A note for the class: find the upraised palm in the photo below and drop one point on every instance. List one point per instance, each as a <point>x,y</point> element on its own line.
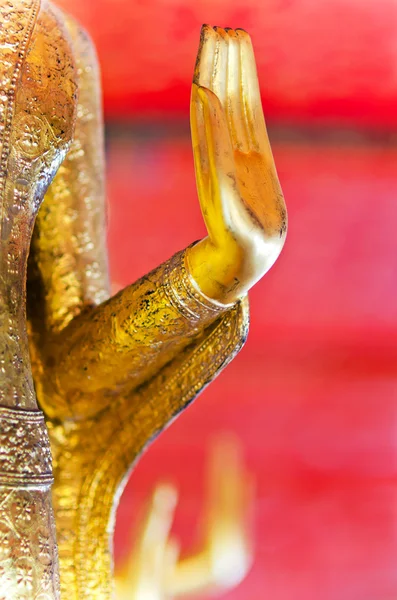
<point>240,195</point>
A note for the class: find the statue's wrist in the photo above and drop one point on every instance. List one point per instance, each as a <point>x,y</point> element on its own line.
<point>185,295</point>
<point>214,271</point>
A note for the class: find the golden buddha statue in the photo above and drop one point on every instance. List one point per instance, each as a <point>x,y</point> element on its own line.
<point>108,373</point>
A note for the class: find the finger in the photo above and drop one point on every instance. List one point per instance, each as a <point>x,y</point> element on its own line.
<point>205,57</point>
<point>227,532</point>
<point>160,517</point>
<point>223,192</point>
<point>199,141</point>
<point>219,72</point>
<point>251,96</point>
<point>146,561</point>
<point>172,553</point>
<point>228,478</point>
<point>234,104</point>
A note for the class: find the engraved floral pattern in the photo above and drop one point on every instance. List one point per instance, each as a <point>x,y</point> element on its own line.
<point>23,572</point>
<point>30,151</point>
<point>25,455</point>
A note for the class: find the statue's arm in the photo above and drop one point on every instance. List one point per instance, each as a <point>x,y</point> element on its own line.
<point>94,349</point>
<point>85,345</point>
<point>127,339</point>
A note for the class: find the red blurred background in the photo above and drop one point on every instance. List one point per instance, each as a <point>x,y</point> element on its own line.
<point>313,394</point>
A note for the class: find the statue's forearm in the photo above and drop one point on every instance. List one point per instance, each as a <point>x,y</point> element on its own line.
<point>127,339</point>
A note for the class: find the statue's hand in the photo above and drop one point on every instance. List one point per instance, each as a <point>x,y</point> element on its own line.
<point>238,187</point>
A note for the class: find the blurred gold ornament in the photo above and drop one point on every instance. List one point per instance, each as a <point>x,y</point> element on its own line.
<point>154,570</point>
<point>109,373</point>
